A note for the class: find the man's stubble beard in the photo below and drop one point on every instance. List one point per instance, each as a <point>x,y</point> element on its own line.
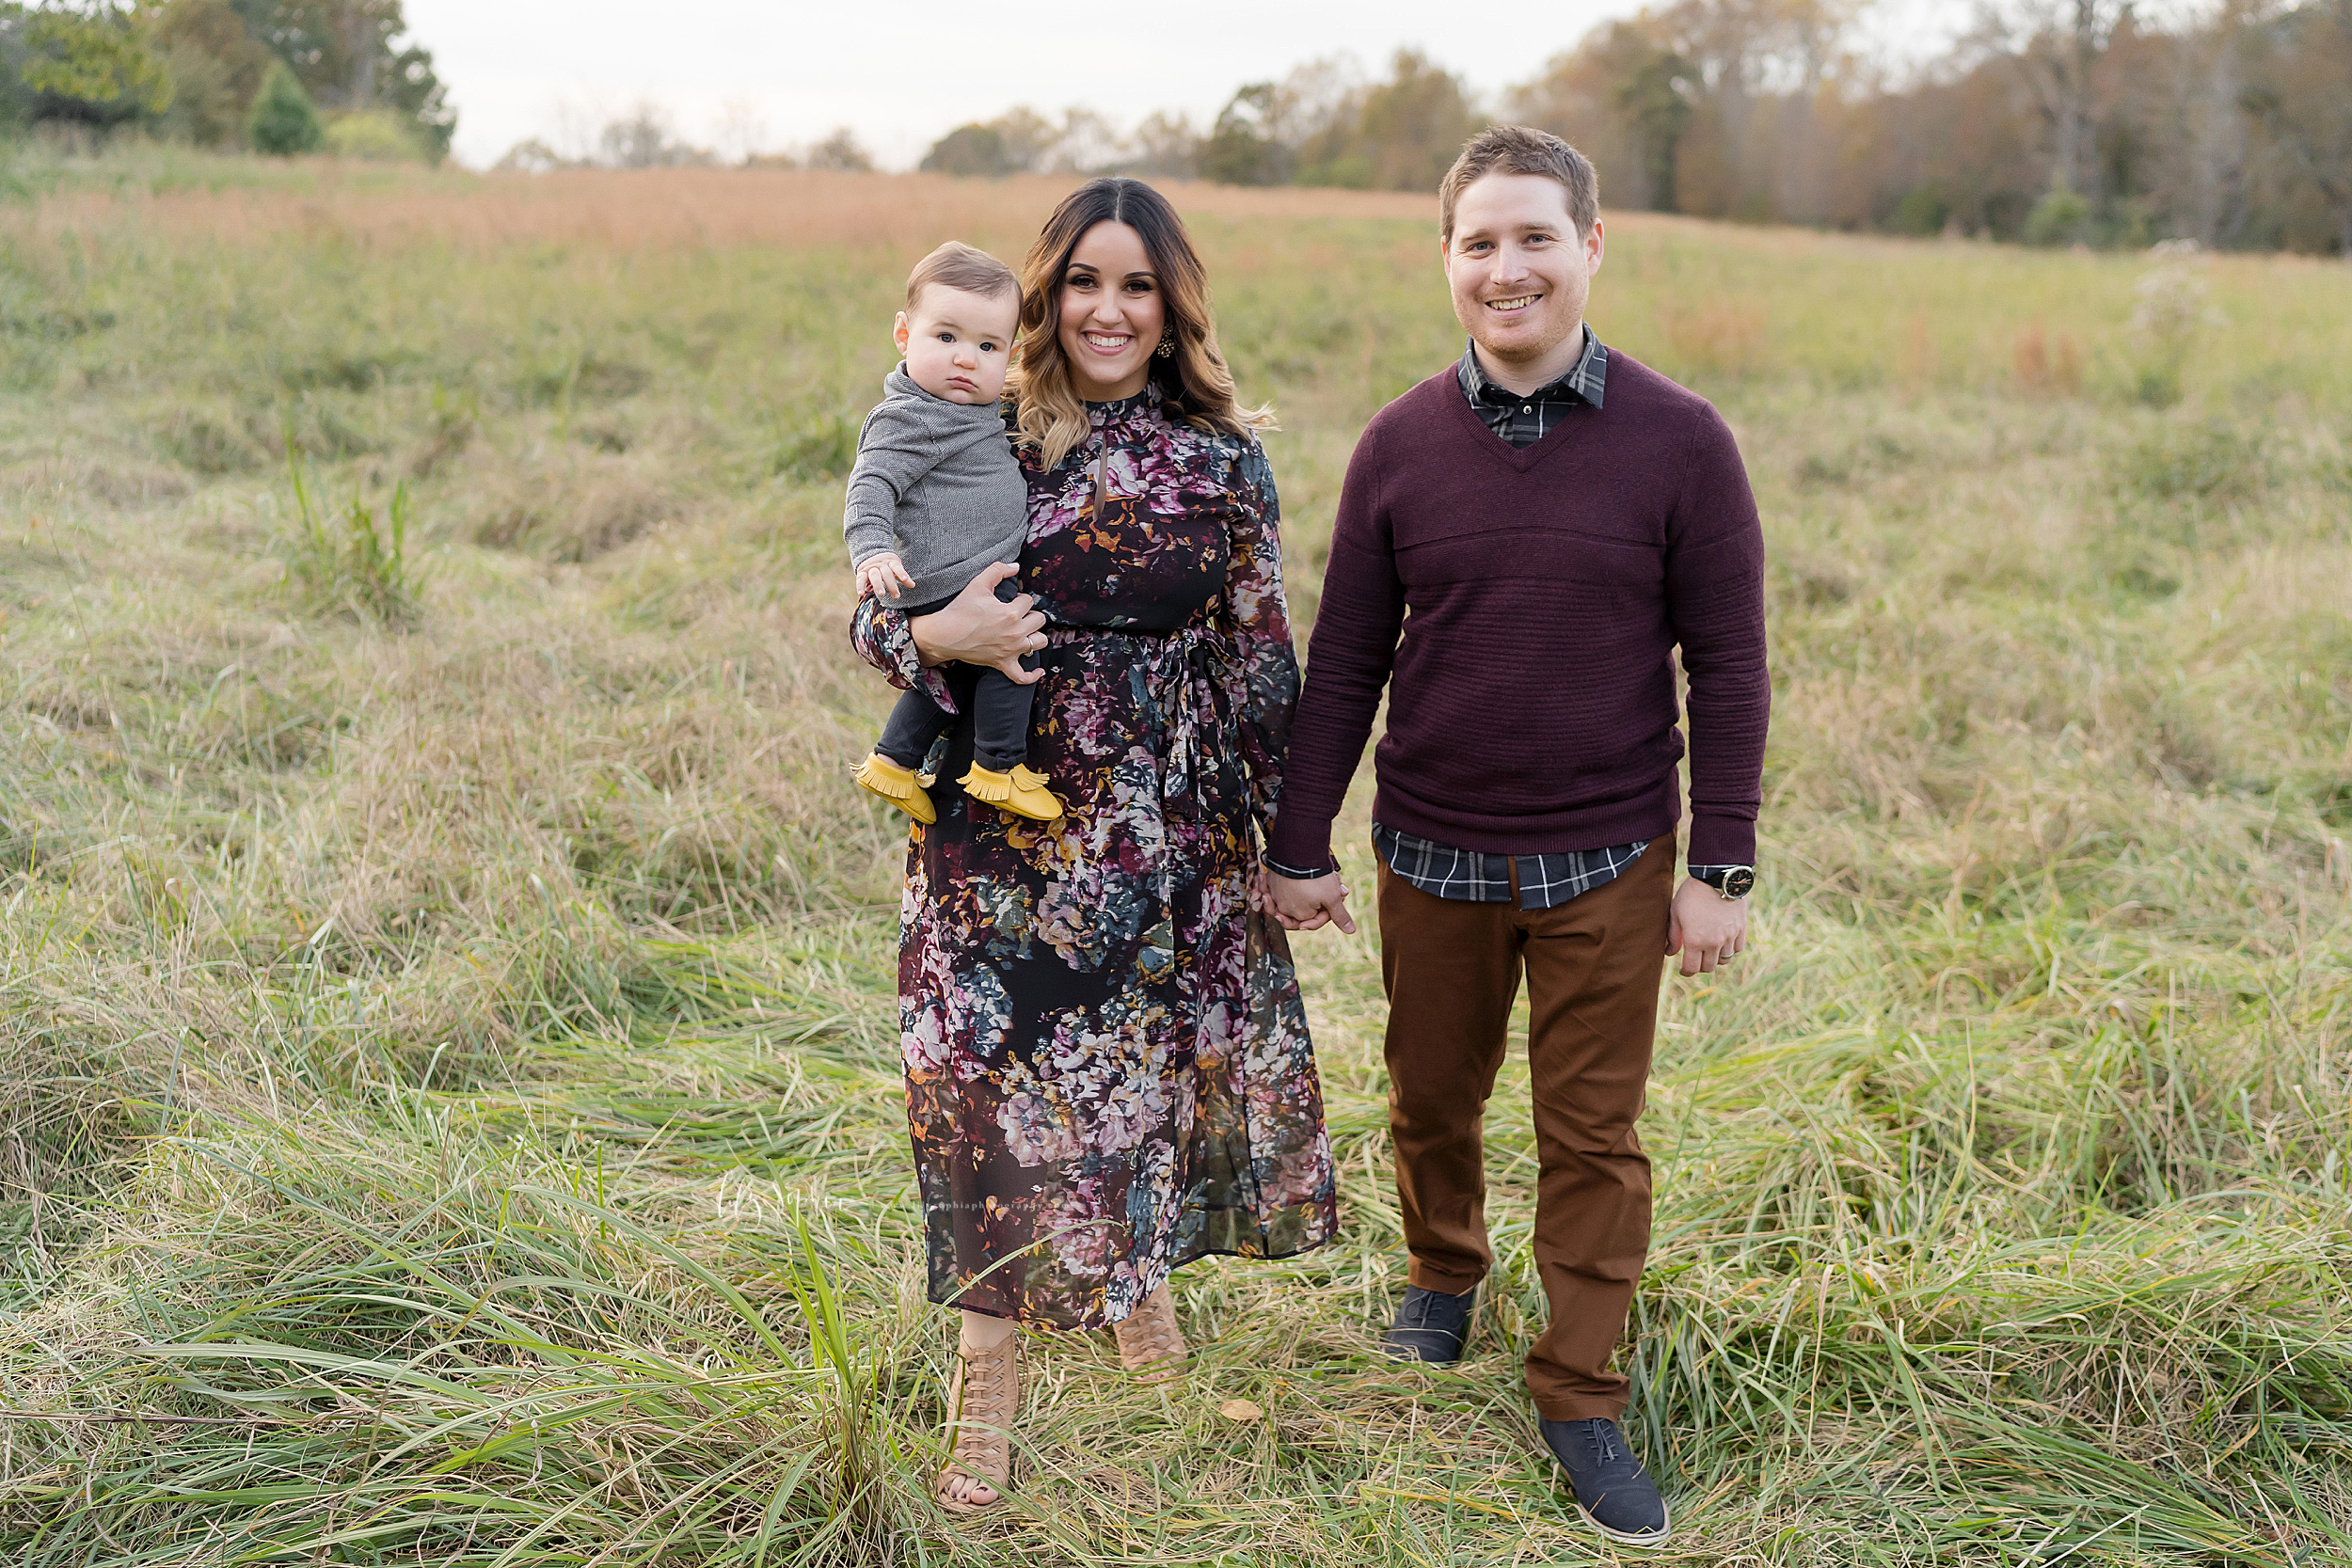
<point>1500,357</point>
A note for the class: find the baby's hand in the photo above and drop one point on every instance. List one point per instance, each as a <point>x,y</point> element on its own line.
<point>875,574</point>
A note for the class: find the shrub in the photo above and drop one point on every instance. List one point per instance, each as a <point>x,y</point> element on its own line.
<point>2060,218</point>
<point>969,149</point>
<point>283,122</point>
<point>375,136</point>
<point>1923,211</point>
<point>2167,320</point>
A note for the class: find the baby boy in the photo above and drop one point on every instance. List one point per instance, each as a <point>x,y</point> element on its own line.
<point>934,499</point>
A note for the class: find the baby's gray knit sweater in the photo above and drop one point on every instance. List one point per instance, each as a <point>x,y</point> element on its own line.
<point>935,481</point>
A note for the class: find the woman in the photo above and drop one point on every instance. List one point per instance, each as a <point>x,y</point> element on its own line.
<point>1107,1066</point>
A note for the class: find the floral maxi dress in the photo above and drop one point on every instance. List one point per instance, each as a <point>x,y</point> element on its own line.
<point>1107,1066</point>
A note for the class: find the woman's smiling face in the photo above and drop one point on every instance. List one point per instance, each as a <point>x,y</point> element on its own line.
<point>1111,313</point>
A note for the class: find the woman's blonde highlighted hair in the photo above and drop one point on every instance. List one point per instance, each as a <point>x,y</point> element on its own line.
<point>1195,384</point>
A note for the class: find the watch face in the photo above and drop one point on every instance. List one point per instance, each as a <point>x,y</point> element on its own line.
<point>1738,882</point>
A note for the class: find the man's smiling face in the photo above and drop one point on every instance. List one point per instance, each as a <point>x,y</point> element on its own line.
<point>1519,272</point>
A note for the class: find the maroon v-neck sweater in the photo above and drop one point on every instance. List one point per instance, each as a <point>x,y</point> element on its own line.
<point>1522,607</point>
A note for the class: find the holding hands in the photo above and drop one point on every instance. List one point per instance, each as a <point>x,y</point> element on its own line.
<point>1305,905</point>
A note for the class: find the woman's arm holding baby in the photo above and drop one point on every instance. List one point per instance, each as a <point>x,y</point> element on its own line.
<point>977,628</point>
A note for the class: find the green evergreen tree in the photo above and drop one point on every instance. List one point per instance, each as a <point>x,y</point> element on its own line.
<point>283,122</point>
<point>352,56</point>
<point>1652,89</point>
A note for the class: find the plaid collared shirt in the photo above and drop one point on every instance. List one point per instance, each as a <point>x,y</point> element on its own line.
<point>1525,420</point>
<point>1475,877</point>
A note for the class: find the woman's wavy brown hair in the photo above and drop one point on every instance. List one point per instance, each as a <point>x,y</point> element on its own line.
<point>1194,382</point>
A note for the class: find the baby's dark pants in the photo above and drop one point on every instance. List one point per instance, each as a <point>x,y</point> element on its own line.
<point>998,704</point>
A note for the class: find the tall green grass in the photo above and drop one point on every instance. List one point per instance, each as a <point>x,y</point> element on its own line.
<point>352,558</point>
<point>448,1103</point>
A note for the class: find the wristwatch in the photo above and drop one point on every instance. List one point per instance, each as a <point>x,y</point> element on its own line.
<point>1732,881</point>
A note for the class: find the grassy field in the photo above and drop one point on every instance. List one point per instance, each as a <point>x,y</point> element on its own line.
<point>449,1102</point>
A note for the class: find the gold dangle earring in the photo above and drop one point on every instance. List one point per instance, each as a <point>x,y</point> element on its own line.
<point>1168,343</point>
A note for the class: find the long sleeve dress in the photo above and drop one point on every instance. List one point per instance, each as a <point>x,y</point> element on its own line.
<point>1107,1066</point>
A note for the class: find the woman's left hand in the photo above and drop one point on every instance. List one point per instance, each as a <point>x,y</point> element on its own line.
<point>976,627</point>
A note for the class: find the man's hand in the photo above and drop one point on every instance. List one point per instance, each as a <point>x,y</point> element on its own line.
<point>1705,927</point>
<point>1306,906</point>
<point>875,574</point>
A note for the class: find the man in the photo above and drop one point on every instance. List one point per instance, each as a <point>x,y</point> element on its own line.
<point>1523,541</point>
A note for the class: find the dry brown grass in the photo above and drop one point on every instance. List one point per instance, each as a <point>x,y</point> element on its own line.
<point>630,210</point>
<point>2047,364</point>
<point>1721,337</point>
<point>395,1016</point>
<point>572,506</point>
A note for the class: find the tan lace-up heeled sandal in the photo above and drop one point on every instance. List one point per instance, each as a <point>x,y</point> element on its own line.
<point>1148,1340</point>
<point>981,1408</point>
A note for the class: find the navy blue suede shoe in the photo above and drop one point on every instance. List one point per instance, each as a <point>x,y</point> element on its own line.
<point>1431,1325</point>
<point>1612,1490</point>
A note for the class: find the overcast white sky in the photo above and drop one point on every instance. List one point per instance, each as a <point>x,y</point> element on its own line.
<point>902,72</point>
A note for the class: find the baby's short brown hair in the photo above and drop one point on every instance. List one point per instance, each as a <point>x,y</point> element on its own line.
<point>956,265</point>
<point>1522,150</point>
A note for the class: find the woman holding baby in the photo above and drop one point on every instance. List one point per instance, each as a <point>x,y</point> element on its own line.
<point>1108,1072</point>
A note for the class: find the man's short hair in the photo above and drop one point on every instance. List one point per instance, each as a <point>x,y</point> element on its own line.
<point>956,265</point>
<point>1522,150</point>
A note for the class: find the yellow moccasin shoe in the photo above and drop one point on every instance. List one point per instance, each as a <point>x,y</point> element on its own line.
<point>879,775</point>
<point>1022,791</point>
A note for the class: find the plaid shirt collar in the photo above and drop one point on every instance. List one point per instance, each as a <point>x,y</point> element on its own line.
<point>1585,382</point>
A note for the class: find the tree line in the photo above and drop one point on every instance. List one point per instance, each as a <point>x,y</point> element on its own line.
<point>2050,121</point>
<point>645,135</point>
<point>277,76</point>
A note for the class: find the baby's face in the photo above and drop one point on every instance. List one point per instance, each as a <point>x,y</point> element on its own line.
<point>957,344</point>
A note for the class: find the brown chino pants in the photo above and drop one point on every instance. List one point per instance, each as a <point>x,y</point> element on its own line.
<point>1453,973</point>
